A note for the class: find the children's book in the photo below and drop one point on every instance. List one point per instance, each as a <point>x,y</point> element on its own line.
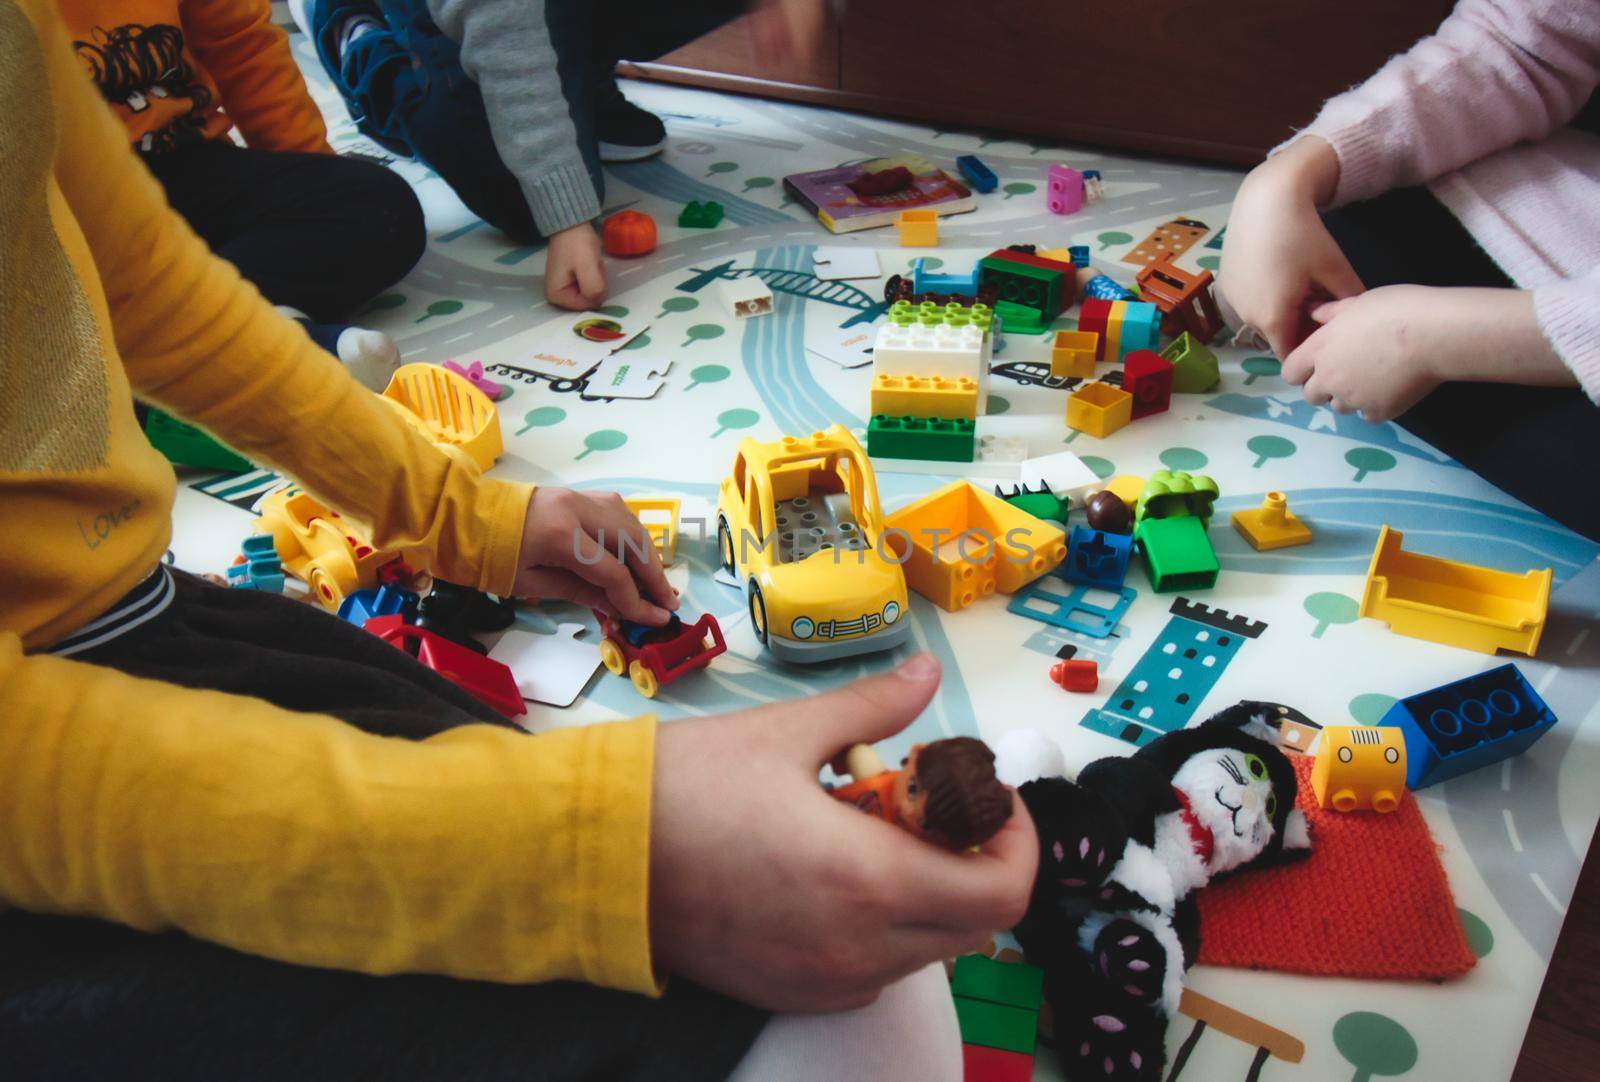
<point>827,193</point>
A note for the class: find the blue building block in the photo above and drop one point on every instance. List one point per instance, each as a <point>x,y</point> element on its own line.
<point>1473,722</point>
<point>1168,683</point>
<point>261,569</point>
<point>1097,558</point>
<point>924,282</point>
<point>1141,327</point>
<point>1079,254</point>
<point>359,606</point>
<point>1106,288</point>
<point>980,176</point>
<point>1072,610</point>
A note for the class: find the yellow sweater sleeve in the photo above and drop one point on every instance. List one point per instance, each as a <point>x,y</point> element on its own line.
<point>482,852</point>
<point>198,340</point>
<point>262,90</point>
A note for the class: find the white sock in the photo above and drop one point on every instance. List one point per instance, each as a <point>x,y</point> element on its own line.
<point>371,356</point>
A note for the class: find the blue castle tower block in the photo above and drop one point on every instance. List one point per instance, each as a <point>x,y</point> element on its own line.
<point>1177,672</point>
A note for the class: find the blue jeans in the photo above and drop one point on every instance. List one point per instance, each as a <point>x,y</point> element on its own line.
<point>405,88</point>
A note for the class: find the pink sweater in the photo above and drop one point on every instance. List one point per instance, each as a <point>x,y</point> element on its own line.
<point>1476,112</point>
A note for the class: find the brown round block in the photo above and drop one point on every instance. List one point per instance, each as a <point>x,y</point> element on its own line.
<point>1106,511</point>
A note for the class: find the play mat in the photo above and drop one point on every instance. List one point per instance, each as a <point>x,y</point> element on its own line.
<point>1511,837</point>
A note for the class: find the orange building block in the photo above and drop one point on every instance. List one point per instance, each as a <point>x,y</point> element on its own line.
<point>1360,767</point>
<point>918,228</point>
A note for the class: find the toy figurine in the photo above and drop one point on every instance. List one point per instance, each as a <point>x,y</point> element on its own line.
<point>1106,512</point>
<point>1112,920</point>
<point>456,612</point>
<point>945,791</point>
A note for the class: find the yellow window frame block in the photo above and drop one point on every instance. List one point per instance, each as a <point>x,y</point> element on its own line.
<point>1099,409</point>
<point>659,517</point>
<point>1475,608</point>
<point>946,397</point>
<point>447,409</point>
<point>960,543</point>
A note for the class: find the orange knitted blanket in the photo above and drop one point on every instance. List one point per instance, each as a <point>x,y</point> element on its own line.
<point>1370,901</point>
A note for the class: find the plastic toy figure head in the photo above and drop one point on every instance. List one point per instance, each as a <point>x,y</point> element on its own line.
<point>1240,786</point>
<point>947,792</point>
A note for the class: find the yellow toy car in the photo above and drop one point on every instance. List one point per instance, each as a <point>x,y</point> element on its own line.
<point>799,524</point>
<point>321,549</point>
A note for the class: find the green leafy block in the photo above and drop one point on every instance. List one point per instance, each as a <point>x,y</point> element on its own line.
<point>697,215</point>
<point>1173,493</point>
<point>1014,984</point>
<point>996,1025</point>
<point>186,445</point>
<point>1040,505</point>
<point>1194,367</point>
<point>929,314</point>
<point>936,439</point>
<point>1177,554</point>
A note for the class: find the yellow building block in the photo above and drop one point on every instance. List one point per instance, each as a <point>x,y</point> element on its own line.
<point>1072,353</point>
<point>1360,768</point>
<point>1060,255</point>
<point>946,397</point>
<point>1475,608</point>
<point>1272,525</point>
<point>447,409</point>
<point>1099,409</point>
<point>961,543</point>
<point>659,517</point>
<point>918,228</point>
<point>1128,487</point>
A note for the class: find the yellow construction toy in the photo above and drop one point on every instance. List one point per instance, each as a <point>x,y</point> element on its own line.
<point>659,517</point>
<point>799,527</point>
<point>1099,409</point>
<point>1360,768</point>
<point>316,545</point>
<point>448,409</point>
<point>918,228</point>
<point>1271,526</point>
<point>1072,353</point>
<point>1475,608</point>
<point>946,397</point>
<point>961,543</point>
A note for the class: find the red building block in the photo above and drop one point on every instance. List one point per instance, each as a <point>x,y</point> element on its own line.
<point>1148,377</point>
<point>484,678</point>
<point>1184,298</point>
<point>980,1064</point>
<point>1094,316</point>
<point>1076,675</point>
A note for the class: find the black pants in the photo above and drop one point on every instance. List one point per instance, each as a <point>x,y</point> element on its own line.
<point>313,231</point>
<point>83,1000</point>
<point>1537,443</point>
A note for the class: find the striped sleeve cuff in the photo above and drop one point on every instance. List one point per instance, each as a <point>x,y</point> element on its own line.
<point>561,198</point>
<point>1569,315</point>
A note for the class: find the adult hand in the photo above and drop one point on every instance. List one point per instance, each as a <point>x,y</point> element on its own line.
<point>785,32</point>
<point>574,270</point>
<point>1278,260</point>
<point>765,887</point>
<point>587,547</point>
<point>1381,352</point>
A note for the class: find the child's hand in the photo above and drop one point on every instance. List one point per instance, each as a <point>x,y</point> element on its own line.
<point>1375,353</point>
<point>571,542</point>
<point>574,271</point>
<point>1383,351</point>
<point>766,888</point>
<point>1278,259</point>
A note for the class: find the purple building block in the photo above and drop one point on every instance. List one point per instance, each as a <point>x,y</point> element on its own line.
<point>1064,194</point>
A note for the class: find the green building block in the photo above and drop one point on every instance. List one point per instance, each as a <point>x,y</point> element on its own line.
<point>1177,554</point>
<point>929,314</point>
<point>1195,369</point>
<point>995,1025</point>
<point>1038,504</point>
<point>186,445</point>
<point>933,438</point>
<point>698,215</point>
<point>1030,297</point>
<point>1173,493</point>
<point>1014,984</point>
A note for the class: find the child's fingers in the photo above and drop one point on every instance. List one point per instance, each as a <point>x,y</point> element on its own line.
<point>1339,278</point>
<point>610,517</point>
<point>867,710</point>
<point>544,583</point>
<point>608,573</point>
<point>591,280</point>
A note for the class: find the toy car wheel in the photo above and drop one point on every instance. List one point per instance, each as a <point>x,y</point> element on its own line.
<point>758,613</point>
<point>611,657</point>
<point>330,579</point>
<point>725,544</point>
<point>644,681</point>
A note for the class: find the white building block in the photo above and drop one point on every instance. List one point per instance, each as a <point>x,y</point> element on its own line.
<point>996,458</point>
<point>1066,475</point>
<point>745,297</point>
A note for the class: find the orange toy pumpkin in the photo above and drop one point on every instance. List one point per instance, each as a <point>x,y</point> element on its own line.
<point>629,232</point>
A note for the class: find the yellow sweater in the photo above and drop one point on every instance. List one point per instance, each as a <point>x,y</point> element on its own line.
<point>481,852</point>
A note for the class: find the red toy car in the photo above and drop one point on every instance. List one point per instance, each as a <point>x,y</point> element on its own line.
<point>487,679</point>
<point>653,656</point>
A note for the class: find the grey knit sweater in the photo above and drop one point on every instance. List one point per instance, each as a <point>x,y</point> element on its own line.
<point>506,50</point>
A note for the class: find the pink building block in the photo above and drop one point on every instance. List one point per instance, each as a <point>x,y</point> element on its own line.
<point>1064,194</point>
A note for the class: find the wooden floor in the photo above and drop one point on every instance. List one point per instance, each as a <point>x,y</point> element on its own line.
<point>1563,1041</point>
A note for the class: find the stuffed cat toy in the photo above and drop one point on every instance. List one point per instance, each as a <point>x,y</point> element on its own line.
<point>1113,921</point>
